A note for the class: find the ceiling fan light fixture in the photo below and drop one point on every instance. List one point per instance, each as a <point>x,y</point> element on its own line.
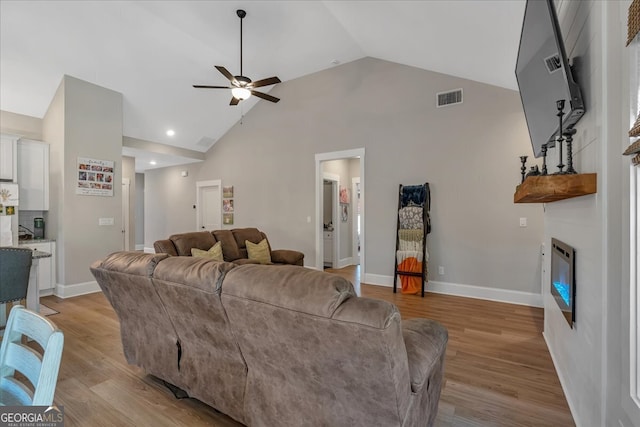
<point>241,86</point>
<point>240,93</point>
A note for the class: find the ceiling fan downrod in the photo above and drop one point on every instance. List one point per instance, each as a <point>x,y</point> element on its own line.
<point>241,14</point>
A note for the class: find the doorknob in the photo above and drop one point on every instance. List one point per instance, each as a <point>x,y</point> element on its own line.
<point>202,227</point>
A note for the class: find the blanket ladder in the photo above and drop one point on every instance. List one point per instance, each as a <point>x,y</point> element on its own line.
<point>413,200</point>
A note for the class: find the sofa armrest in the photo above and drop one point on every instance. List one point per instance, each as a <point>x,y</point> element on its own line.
<point>287,256</point>
<point>165,247</point>
<point>426,343</point>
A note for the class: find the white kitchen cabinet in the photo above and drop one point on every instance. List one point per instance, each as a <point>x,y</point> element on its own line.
<point>33,175</point>
<point>8,158</point>
<point>328,248</point>
<point>46,266</point>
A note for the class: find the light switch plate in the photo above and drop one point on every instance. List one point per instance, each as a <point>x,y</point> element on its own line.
<point>105,221</point>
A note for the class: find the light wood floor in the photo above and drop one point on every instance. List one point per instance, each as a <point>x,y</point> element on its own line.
<point>498,370</point>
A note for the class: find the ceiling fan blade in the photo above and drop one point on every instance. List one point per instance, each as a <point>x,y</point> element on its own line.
<point>264,82</point>
<point>234,101</point>
<point>211,87</point>
<point>265,96</point>
<point>227,74</point>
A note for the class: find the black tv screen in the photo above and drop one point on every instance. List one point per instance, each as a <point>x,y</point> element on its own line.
<point>544,76</point>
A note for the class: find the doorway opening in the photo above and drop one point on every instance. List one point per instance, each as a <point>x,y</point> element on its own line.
<point>330,220</point>
<point>350,215</point>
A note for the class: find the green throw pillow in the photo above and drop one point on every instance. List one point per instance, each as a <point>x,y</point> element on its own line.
<point>215,253</point>
<point>259,252</point>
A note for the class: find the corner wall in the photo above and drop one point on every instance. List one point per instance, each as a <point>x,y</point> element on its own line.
<point>83,120</point>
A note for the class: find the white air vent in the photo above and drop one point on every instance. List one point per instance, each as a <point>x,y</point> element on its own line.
<point>449,98</point>
<point>553,63</point>
<point>205,142</point>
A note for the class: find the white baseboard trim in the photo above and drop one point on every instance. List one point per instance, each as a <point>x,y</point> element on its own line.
<point>149,250</point>
<point>562,380</point>
<point>76,289</point>
<point>468,291</point>
<point>139,247</point>
<point>345,262</point>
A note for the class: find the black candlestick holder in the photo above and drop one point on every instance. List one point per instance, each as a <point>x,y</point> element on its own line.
<point>544,160</point>
<point>569,134</point>
<point>560,106</point>
<point>523,160</point>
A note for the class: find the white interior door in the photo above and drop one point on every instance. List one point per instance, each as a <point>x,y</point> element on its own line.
<point>125,214</point>
<point>209,212</point>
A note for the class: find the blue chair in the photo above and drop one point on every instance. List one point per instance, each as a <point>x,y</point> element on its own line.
<point>39,369</point>
<point>15,264</point>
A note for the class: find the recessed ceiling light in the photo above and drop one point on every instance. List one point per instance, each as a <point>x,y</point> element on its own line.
<point>171,132</point>
<point>152,162</point>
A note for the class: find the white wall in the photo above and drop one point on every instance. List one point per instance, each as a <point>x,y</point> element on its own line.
<point>469,153</point>
<point>592,358</point>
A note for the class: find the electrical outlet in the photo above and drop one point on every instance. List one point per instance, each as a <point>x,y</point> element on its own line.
<point>441,270</point>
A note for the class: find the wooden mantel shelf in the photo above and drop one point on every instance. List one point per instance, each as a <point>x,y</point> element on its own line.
<point>551,188</point>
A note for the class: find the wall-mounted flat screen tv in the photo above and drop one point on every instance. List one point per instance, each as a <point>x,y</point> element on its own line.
<point>544,76</point>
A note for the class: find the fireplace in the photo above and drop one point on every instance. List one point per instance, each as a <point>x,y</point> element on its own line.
<point>563,287</point>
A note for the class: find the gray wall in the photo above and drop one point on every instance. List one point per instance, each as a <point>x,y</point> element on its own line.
<point>83,120</point>
<point>468,152</point>
<point>168,202</point>
<point>592,359</point>
<point>139,210</point>
<point>129,171</point>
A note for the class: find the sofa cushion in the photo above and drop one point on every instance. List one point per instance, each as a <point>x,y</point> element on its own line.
<point>241,235</point>
<point>198,239</point>
<point>289,286</point>
<point>230,249</point>
<point>259,251</point>
<point>215,253</point>
<point>200,273</point>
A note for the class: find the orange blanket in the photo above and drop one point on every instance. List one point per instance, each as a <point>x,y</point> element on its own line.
<point>410,284</point>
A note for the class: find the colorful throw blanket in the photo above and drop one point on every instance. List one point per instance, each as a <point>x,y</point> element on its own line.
<point>410,261</point>
<point>411,218</point>
<point>413,195</point>
<point>410,240</point>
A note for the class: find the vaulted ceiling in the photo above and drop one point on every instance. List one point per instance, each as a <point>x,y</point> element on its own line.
<point>154,51</point>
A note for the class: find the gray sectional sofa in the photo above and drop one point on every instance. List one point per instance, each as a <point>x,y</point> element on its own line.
<point>274,345</point>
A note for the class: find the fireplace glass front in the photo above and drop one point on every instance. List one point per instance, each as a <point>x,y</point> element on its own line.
<point>563,286</point>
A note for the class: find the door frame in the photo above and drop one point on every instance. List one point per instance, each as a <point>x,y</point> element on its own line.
<point>126,195</point>
<point>199,186</point>
<point>355,256</point>
<point>338,155</point>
